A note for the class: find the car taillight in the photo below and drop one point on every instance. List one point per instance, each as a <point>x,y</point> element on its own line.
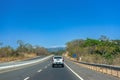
<point>52,60</point>
<point>63,59</point>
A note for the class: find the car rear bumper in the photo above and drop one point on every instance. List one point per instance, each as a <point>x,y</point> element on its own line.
<point>58,63</point>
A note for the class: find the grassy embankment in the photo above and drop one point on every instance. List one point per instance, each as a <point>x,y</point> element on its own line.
<point>17,58</point>
<point>101,51</point>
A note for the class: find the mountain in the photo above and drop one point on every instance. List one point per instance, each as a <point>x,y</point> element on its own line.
<point>56,49</point>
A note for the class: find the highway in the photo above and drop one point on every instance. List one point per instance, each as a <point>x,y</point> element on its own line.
<point>19,62</point>
<point>44,71</point>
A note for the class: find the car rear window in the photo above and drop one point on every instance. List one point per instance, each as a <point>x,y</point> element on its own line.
<point>57,57</point>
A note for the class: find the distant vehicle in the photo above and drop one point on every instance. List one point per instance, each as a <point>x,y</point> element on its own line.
<point>58,60</point>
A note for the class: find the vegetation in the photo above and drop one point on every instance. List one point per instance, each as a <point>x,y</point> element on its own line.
<point>56,49</point>
<point>23,51</point>
<point>103,50</point>
<point>59,52</point>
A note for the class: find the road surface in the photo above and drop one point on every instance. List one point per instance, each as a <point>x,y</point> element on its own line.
<point>20,62</point>
<point>44,71</point>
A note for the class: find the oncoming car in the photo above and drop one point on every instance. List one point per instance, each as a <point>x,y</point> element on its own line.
<point>57,60</point>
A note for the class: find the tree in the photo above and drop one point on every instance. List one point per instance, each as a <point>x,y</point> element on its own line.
<point>21,47</point>
<point>40,50</point>
<point>29,47</point>
<point>6,51</point>
<point>20,42</point>
<point>90,48</point>
<point>104,38</point>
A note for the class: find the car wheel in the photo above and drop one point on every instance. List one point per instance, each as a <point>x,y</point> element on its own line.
<point>53,65</point>
<point>63,65</point>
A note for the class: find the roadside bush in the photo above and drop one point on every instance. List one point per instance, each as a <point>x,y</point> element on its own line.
<point>98,51</point>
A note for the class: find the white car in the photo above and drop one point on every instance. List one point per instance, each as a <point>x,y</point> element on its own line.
<point>58,60</point>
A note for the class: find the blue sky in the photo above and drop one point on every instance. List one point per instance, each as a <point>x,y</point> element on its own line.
<point>54,22</point>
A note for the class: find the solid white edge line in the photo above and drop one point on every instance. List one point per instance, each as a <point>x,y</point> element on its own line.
<point>39,70</point>
<point>73,72</point>
<point>26,78</point>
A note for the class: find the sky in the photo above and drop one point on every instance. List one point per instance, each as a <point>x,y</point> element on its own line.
<point>52,23</point>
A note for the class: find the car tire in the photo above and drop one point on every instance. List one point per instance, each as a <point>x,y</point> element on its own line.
<point>53,65</point>
<point>62,65</point>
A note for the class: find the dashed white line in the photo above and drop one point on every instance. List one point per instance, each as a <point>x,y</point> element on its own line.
<point>39,70</point>
<point>26,78</point>
<point>73,72</point>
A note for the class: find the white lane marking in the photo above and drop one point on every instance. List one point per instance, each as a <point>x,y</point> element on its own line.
<point>26,78</point>
<point>73,72</point>
<point>45,67</point>
<point>39,70</point>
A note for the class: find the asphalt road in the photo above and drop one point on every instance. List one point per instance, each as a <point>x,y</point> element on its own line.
<point>44,71</point>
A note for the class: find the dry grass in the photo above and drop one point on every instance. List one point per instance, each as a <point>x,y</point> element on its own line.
<point>93,58</point>
<point>25,56</point>
<point>116,61</point>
